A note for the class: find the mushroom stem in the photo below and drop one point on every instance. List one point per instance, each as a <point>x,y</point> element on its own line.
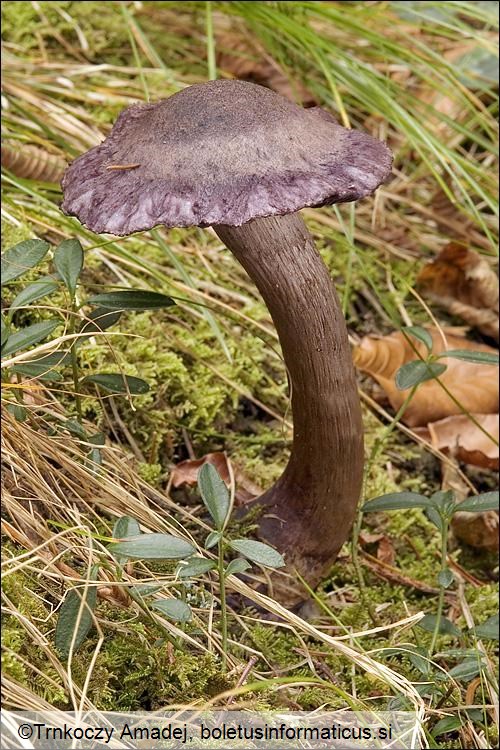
<point>309,511</point>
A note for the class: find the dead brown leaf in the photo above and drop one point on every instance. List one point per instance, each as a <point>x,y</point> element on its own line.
<point>460,437</point>
<point>186,472</point>
<point>365,537</point>
<point>385,549</point>
<point>476,529</point>
<point>474,386</point>
<point>465,284</point>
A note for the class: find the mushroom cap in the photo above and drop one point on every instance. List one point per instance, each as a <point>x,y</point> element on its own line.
<point>222,152</point>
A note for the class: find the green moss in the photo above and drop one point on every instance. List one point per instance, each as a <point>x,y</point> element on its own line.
<point>150,473</point>
<point>12,642</point>
<point>22,591</point>
<point>278,646</point>
<point>25,26</point>
<point>12,234</point>
<point>137,668</point>
<point>262,455</point>
<point>178,363</point>
<point>483,601</point>
<point>22,659</point>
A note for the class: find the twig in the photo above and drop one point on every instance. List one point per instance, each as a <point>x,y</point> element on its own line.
<point>243,676</point>
<point>123,427</point>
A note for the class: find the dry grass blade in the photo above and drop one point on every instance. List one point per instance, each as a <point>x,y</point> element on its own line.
<point>36,495</point>
<point>407,75</point>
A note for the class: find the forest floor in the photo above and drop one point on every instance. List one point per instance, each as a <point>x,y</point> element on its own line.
<point>74,464</point>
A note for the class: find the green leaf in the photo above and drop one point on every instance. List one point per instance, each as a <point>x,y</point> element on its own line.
<point>477,716</point>
<point>467,355</point>
<point>39,371</point>
<point>479,503</point>
<point>20,258</point>
<point>118,383</point>
<point>5,330</point>
<point>75,428</point>
<point>416,655</point>
<point>214,494</point>
<point>455,653</point>
<point>28,336</point>
<point>443,501</point>
<point>194,567</point>
<point>448,724</point>
<point>131,300</point>
<point>19,413</point>
<point>69,616</point>
<point>418,659</point>
<point>237,566</point>
<point>51,360</point>
<point>435,517</point>
<point>95,458</point>
<point>416,372</point>
<point>443,506</point>
<point>488,629</point>
<point>397,501</point>
<point>445,578</point>
<point>259,553</point>
<point>212,539</point>
<point>99,320</point>
<point>153,547</point>
<point>466,670</point>
<point>68,261</point>
<point>98,439</point>
<point>126,526</point>
<point>421,334</point>
<point>174,609</point>
<point>446,627</point>
<point>144,589</point>
<point>38,289</point>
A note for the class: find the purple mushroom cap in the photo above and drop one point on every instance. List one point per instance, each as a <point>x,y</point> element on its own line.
<point>222,152</point>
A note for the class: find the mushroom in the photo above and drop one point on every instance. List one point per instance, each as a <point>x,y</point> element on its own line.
<point>240,158</point>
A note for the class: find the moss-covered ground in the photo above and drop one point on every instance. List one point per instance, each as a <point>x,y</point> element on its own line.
<point>216,378</point>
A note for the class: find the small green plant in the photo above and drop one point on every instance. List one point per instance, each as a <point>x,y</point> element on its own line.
<point>471,659</point>
<point>76,618</point>
<point>409,377</point>
<point>439,509</point>
<point>411,374</point>
<point>216,498</point>
<point>106,309</point>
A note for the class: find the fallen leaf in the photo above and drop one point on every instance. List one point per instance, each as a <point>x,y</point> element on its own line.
<point>453,479</point>
<point>366,538</point>
<point>186,472</point>
<point>385,551</point>
<point>474,386</point>
<point>460,437</point>
<point>465,284</point>
<point>476,529</point>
